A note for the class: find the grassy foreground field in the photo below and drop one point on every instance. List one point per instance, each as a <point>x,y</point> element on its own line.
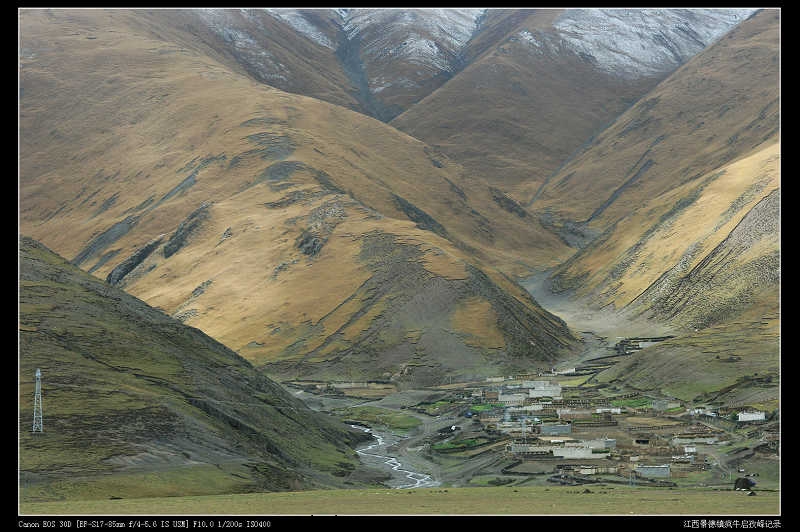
<point>617,500</point>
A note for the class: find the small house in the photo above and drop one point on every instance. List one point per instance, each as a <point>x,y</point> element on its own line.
<point>555,428</point>
<point>653,471</point>
<point>751,416</point>
<point>574,413</point>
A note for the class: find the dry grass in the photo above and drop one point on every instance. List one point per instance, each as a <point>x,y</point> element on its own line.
<point>702,225</point>
<point>476,318</point>
<point>437,262</point>
<point>556,500</point>
<point>98,142</point>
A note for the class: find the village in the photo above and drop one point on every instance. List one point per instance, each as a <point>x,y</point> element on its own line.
<point>547,427</point>
<point>558,426</point>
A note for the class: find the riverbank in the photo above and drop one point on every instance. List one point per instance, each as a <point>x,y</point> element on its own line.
<point>399,455</point>
<point>378,455</point>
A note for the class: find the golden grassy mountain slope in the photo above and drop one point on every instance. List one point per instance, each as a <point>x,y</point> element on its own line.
<point>653,259</point>
<point>689,182</point>
<point>282,226</point>
<point>689,231</point>
<point>256,43</point>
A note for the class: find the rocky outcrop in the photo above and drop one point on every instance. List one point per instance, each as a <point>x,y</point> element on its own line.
<point>105,239</point>
<point>191,224</point>
<point>126,266</point>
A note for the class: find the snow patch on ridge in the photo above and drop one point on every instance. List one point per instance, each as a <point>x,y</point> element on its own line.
<point>260,62</point>
<point>301,24</point>
<point>428,37</point>
<point>455,26</point>
<point>640,42</point>
<point>528,37</point>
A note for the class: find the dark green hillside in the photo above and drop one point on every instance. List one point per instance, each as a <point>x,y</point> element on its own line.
<point>137,404</point>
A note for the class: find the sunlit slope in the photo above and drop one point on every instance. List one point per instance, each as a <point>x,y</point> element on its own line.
<point>687,253</point>
<point>255,214</point>
<point>704,258</point>
<point>718,107</point>
<point>692,237</point>
<point>181,115</point>
<point>137,404</point>
<point>325,287</point>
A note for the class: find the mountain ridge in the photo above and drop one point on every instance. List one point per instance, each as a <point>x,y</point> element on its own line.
<point>257,224</point>
<point>128,391</point>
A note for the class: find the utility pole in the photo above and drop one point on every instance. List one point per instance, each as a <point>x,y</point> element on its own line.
<point>37,404</point>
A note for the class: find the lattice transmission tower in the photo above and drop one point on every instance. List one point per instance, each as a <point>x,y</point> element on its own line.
<point>37,404</point>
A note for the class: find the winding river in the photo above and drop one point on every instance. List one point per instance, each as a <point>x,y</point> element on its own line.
<point>375,454</point>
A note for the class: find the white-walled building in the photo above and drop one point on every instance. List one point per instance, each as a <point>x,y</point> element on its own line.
<point>565,447</point>
<point>574,413</point>
<point>542,389</point>
<point>751,416</point>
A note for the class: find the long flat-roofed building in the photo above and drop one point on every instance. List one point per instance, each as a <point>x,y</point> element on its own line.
<point>542,389</point>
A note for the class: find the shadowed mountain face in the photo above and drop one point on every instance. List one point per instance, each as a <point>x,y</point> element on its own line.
<point>707,114</point>
<point>127,390</point>
<point>376,61</point>
<point>549,80</point>
<point>254,214</point>
<point>393,58</point>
